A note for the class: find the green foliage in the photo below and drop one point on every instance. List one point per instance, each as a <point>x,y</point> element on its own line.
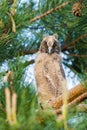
<point>29,113</point>
<point>77,119</point>
<point>78,122</point>
<point>63,22</point>
<point>15,45</point>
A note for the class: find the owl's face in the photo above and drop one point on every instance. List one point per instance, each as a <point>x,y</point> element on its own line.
<point>50,44</point>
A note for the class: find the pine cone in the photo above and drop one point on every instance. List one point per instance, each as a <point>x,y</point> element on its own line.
<point>76,9</point>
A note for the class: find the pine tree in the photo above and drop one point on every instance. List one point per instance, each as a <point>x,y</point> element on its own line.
<point>22,26</point>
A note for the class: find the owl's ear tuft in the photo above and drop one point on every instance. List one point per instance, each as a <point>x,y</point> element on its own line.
<point>56,35</point>
<point>45,35</point>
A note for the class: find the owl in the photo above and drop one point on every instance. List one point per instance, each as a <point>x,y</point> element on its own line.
<point>48,69</point>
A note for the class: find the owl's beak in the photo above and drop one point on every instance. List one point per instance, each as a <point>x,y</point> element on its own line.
<point>50,50</point>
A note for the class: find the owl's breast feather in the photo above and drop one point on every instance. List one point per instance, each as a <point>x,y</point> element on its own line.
<point>47,58</point>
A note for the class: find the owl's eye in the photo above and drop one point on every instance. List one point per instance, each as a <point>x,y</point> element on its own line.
<point>45,42</point>
<point>55,44</point>
<point>45,46</point>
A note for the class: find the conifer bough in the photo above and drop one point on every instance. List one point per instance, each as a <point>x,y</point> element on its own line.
<point>49,11</point>
<point>75,95</point>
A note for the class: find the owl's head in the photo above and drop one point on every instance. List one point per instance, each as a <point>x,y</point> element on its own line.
<point>49,44</point>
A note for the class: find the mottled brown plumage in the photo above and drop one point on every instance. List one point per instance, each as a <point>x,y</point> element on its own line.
<point>49,73</point>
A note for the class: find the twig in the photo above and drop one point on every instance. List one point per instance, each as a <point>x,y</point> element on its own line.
<point>77,55</point>
<point>31,62</point>
<point>13,23</point>
<point>73,42</point>
<point>25,52</point>
<point>49,12</point>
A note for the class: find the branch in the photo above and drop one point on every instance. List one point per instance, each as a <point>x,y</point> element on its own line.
<point>49,12</point>
<point>79,99</point>
<point>73,93</point>
<point>25,52</point>
<point>31,62</point>
<point>64,48</point>
<point>77,55</point>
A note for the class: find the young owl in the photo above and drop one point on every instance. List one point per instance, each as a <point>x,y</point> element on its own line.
<point>48,70</point>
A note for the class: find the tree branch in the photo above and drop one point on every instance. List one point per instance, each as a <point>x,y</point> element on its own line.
<point>73,93</point>
<point>31,62</point>
<point>64,48</point>
<point>25,52</point>
<point>49,12</point>
<point>79,99</point>
<point>79,56</point>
